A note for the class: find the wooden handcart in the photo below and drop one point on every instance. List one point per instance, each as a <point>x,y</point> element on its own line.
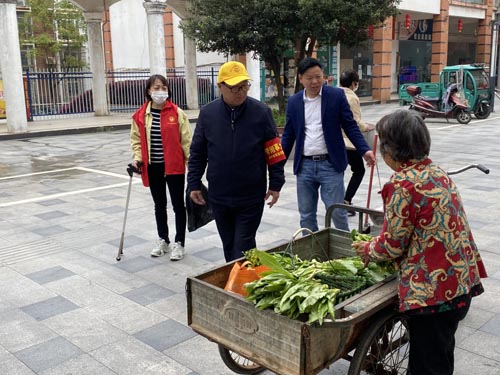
<point>367,329</point>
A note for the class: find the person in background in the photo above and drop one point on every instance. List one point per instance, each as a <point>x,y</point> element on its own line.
<point>426,233</point>
<point>236,140</point>
<point>349,82</point>
<point>160,137</point>
<point>315,118</point>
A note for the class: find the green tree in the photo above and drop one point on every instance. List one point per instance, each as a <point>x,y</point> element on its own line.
<point>270,27</point>
<point>57,30</point>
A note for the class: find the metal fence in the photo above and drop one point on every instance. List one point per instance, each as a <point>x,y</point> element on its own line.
<point>68,94</point>
<point>49,92</point>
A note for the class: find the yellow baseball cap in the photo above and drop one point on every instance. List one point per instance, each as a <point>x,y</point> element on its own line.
<point>232,73</point>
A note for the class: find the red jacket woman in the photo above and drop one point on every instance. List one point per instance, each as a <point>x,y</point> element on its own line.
<point>161,137</point>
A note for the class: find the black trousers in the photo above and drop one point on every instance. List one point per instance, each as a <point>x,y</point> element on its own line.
<point>432,342</point>
<point>158,183</point>
<point>237,227</point>
<point>358,171</point>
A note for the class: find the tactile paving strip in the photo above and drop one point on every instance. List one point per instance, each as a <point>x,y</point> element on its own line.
<point>29,250</point>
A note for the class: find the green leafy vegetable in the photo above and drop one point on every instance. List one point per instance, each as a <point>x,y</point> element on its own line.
<point>252,257</point>
<point>356,236</point>
<point>310,288</point>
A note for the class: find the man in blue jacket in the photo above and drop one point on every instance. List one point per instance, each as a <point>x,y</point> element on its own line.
<point>235,139</point>
<point>315,118</point>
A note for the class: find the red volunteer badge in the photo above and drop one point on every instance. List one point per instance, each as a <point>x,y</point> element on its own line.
<point>274,151</point>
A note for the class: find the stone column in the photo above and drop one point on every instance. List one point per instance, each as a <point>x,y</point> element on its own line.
<point>440,29</point>
<point>484,37</point>
<point>156,36</point>
<point>191,74</point>
<point>253,70</point>
<point>96,49</point>
<point>10,64</point>
<point>382,61</point>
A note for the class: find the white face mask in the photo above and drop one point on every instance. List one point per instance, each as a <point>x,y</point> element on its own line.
<point>356,87</point>
<point>159,97</point>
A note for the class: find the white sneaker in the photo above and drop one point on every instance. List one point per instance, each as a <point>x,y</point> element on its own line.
<point>177,251</point>
<point>160,249</point>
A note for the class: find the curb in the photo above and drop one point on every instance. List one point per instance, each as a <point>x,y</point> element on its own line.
<point>106,128</point>
<point>68,131</point>
<point>372,102</point>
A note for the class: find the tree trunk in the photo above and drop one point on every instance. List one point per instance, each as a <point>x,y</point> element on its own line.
<point>298,55</point>
<point>276,68</point>
<point>302,50</point>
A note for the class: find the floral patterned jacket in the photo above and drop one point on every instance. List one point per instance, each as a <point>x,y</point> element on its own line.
<point>426,231</point>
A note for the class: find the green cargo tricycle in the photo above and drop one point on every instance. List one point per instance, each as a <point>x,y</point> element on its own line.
<point>472,82</point>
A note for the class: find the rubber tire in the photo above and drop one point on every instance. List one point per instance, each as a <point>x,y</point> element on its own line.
<point>230,359</point>
<point>483,110</point>
<point>369,341</point>
<point>463,117</point>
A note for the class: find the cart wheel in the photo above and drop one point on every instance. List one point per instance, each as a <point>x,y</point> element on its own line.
<point>384,347</point>
<point>238,363</point>
<point>463,117</point>
<point>482,111</point>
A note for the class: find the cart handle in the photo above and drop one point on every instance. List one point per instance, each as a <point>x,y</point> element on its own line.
<point>481,167</point>
<point>300,230</point>
<point>289,247</point>
<point>361,210</point>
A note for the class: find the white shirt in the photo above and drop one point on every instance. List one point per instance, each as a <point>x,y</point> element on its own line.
<point>314,143</point>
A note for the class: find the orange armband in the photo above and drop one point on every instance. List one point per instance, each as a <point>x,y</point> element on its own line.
<point>273,151</point>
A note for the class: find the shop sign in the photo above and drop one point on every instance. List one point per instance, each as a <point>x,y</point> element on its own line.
<point>420,30</point>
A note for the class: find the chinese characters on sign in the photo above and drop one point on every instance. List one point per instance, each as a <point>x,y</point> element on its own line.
<point>419,30</point>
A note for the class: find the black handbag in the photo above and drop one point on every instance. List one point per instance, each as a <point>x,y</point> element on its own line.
<point>198,215</point>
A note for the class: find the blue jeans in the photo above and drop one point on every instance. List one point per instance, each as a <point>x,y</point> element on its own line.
<point>314,175</point>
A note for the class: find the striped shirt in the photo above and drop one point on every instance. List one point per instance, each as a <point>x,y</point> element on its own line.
<point>156,144</point>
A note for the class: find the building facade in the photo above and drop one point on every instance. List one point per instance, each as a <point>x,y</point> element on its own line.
<point>126,39</point>
<point>426,36</point>
<point>413,46</point>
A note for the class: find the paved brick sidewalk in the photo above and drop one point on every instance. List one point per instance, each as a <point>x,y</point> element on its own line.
<point>67,306</point>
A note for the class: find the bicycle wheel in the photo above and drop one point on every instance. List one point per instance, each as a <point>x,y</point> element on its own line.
<point>238,363</point>
<point>384,348</point>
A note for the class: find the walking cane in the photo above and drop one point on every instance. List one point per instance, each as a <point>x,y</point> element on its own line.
<point>130,171</point>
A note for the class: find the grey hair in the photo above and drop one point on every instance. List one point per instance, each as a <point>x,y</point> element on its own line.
<point>404,136</point>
